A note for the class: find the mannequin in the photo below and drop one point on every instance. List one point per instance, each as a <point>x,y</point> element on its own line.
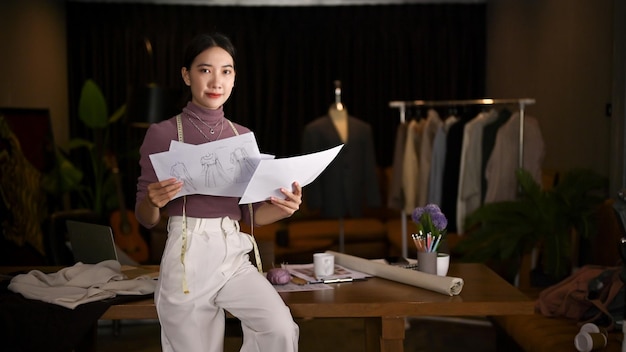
<point>349,184</point>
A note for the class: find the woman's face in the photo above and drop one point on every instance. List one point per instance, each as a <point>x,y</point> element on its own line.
<point>211,77</point>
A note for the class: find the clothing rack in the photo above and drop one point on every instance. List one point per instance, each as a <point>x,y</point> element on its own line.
<point>402,106</point>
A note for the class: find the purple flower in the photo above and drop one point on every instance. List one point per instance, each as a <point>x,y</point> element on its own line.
<point>417,214</point>
<point>430,219</point>
<point>432,209</point>
<point>439,220</point>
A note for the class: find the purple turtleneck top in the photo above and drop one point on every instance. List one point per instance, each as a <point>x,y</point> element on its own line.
<point>157,139</point>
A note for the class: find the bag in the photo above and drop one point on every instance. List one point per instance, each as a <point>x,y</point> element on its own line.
<point>593,294</point>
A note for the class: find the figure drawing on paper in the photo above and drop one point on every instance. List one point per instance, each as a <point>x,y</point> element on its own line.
<point>221,168</point>
<point>179,171</point>
<point>214,173</point>
<point>243,165</point>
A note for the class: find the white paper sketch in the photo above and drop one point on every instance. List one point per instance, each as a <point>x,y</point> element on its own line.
<point>234,167</point>
<point>220,168</point>
<point>272,175</point>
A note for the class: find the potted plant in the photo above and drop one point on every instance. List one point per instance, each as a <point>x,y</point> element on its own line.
<point>93,185</point>
<point>538,219</point>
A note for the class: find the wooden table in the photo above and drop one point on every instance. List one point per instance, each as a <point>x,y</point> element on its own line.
<point>385,304</point>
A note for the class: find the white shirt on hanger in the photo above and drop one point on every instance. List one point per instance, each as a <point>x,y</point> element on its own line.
<point>502,183</point>
<point>470,189</point>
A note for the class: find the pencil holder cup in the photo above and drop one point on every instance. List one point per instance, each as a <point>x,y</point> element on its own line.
<point>427,262</point>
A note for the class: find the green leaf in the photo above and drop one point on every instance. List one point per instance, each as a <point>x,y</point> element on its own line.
<point>70,175</point>
<point>92,107</point>
<point>65,177</point>
<point>79,143</point>
<point>542,219</point>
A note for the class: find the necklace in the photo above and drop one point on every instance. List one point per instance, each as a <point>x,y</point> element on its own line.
<point>211,129</point>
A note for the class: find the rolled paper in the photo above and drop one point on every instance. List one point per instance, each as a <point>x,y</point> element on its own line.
<point>442,284</point>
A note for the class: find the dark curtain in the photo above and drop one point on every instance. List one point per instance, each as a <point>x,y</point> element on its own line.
<point>287,60</point>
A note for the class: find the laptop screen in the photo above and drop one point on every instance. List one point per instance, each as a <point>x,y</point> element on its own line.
<point>91,243</point>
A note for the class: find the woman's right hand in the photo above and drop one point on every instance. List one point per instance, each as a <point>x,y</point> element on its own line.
<point>160,193</point>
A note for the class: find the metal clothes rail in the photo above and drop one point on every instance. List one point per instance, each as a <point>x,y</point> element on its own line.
<point>403,105</point>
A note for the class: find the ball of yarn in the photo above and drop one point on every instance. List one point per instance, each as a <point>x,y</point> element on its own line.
<point>278,276</point>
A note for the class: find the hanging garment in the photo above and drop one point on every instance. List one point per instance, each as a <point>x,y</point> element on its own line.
<point>450,189</point>
<point>504,160</point>
<point>438,160</point>
<point>489,140</point>
<point>469,194</point>
<point>395,198</point>
<point>349,184</point>
<point>410,170</point>
<point>432,125</point>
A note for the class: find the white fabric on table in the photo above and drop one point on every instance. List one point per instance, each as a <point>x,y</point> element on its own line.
<point>80,283</point>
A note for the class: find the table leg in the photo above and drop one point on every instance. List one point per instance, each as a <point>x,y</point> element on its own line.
<point>88,343</point>
<point>384,334</point>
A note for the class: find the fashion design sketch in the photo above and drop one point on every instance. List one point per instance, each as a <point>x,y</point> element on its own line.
<point>179,171</point>
<point>234,167</point>
<point>243,165</point>
<point>221,168</point>
<point>214,173</point>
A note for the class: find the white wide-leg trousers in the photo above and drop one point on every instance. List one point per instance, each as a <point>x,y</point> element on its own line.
<point>219,277</point>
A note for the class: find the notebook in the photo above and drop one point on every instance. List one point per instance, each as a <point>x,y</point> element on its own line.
<point>91,243</point>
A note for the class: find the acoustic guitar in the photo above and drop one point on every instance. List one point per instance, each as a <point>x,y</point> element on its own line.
<point>124,224</point>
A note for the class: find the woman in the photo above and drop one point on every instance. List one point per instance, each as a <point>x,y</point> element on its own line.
<point>205,266</point>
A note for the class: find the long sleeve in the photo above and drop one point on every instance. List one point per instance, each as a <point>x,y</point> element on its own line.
<point>504,161</point>
<point>396,197</point>
<point>411,165</point>
<point>433,124</point>
<point>452,165</point>
<point>469,197</point>
<point>438,160</point>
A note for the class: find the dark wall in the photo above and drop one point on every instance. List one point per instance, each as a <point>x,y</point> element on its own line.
<point>288,58</point>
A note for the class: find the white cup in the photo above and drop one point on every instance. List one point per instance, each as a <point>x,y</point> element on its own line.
<point>590,337</point>
<point>443,263</point>
<point>324,264</point>
<point>589,341</point>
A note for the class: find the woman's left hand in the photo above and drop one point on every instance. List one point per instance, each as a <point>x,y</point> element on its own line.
<point>291,203</point>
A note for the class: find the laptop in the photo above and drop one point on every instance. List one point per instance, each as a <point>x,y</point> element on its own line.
<point>94,243</point>
<point>91,243</point>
